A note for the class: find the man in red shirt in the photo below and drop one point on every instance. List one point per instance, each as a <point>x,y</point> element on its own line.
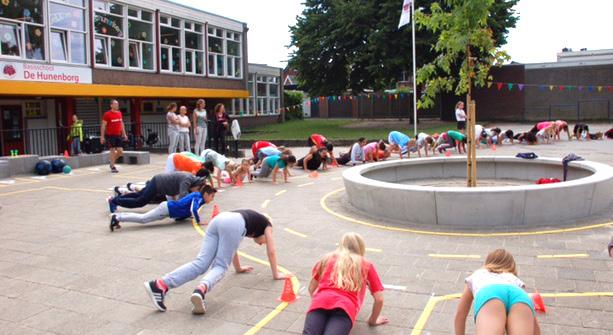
<point>113,132</point>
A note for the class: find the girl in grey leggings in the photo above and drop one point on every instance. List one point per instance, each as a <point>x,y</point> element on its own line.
<point>221,241</point>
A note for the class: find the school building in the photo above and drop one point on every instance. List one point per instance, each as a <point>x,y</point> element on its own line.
<point>60,57</point>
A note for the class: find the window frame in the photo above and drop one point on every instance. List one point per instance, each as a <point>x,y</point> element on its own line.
<point>169,24</point>
<point>229,65</point>
<point>141,44</point>
<point>109,38</point>
<point>69,32</point>
<point>21,36</point>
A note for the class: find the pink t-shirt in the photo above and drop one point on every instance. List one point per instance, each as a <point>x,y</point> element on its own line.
<point>543,125</point>
<point>329,297</point>
<point>370,148</point>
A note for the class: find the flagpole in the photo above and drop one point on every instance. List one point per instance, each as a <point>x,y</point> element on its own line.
<point>414,74</point>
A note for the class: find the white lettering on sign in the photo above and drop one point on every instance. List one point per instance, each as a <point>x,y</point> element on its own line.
<point>45,73</point>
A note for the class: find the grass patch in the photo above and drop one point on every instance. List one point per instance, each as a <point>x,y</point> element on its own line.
<point>340,129</point>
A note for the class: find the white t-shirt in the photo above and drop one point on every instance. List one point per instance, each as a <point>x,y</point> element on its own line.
<point>482,278</point>
<point>172,116</point>
<point>478,131</point>
<point>183,122</point>
<point>421,139</point>
<point>460,115</point>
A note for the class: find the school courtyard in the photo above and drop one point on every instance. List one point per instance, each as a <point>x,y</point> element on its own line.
<point>63,272</point>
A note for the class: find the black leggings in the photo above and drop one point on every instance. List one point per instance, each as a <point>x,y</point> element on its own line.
<point>220,141</point>
<point>137,199</point>
<point>327,322</point>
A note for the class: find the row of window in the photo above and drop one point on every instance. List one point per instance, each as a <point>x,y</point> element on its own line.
<point>182,42</point>
<point>264,97</point>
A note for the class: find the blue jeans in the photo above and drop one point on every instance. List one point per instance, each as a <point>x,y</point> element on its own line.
<point>75,146</point>
<point>222,238</point>
<point>137,199</point>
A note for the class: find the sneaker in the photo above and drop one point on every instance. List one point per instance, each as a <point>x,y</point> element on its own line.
<point>129,186</point>
<point>114,169</point>
<point>114,223</point>
<point>156,295</point>
<point>112,205</point>
<point>199,307</point>
<point>117,192</point>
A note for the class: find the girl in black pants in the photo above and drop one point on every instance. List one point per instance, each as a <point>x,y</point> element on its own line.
<point>222,125</point>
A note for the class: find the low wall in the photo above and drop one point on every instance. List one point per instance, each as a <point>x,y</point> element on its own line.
<point>375,189</point>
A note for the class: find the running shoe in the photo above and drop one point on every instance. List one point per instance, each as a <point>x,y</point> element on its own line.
<point>114,169</point>
<point>199,307</point>
<point>117,192</point>
<point>112,205</point>
<point>156,295</point>
<point>114,223</point>
<point>129,186</point>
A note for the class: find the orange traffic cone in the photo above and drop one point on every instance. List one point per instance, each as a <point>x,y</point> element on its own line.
<point>539,304</point>
<point>239,182</point>
<point>334,163</point>
<point>288,294</point>
<point>66,155</point>
<point>447,153</point>
<point>314,174</point>
<point>215,211</point>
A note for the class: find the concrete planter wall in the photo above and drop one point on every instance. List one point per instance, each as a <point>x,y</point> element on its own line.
<point>375,189</point>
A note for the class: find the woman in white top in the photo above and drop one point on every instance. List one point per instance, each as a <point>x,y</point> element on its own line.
<point>200,120</point>
<point>184,125</point>
<point>460,116</point>
<point>500,300</point>
<point>173,127</point>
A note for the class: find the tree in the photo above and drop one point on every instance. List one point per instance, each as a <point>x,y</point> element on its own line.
<point>463,32</point>
<point>356,44</point>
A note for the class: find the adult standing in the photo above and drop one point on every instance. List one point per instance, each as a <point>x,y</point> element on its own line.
<point>222,122</point>
<point>200,120</point>
<point>460,116</point>
<point>173,127</point>
<point>113,132</point>
<point>184,125</point>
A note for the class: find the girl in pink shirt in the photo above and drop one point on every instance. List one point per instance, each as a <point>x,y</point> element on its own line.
<point>338,287</point>
<point>375,151</point>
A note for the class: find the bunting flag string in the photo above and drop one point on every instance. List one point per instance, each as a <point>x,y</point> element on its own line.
<point>348,98</point>
<point>542,87</point>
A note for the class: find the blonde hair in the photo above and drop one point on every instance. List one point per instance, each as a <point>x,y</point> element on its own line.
<point>499,261</point>
<point>458,104</point>
<point>347,274</point>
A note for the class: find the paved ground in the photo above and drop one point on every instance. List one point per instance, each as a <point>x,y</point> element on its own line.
<point>63,272</point>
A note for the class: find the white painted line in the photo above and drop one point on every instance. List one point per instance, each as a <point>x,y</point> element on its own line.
<point>93,169</point>
<point>8,181</point>
<point>39,177</point>
<point>307,184</point>
<point>280,192</point>
<point>394,287</point>
<point>374,250</point>
<point>265,203</point>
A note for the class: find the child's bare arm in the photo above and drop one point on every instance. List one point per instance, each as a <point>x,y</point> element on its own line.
<point>462,311</point>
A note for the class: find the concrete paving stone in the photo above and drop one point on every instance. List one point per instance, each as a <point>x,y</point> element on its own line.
<point>576,274</point>
<point>50,318</point>
<point>598,320</point>
<point>82,325</point>
<point>283,321</point>
<point>115,328</point>
<point>554,285</point>
<point>562,316</point>
<point>235,313</point>
<point>14,288</point>
<point>538,271</point>
<point>16,310</point>
<point>604,276</point>
<point>441,275</point>
<point>563,330</point>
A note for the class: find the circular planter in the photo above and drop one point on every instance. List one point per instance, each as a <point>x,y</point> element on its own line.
<point>384,190</point>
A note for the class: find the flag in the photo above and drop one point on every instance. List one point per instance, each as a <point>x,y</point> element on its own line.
<point>405,17</point>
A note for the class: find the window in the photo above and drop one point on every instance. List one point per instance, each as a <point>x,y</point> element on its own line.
<point>22,33</point>
<point>67,20</point>
<point>170,40</point>
<point>225,54</point>
<point>267,99</point>
<point>109,41</point>
<point>194,49</point>
<point>140,31</point>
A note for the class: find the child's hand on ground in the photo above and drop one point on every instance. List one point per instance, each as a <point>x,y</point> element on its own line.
<point>380,321</point>
<point>245,269</point>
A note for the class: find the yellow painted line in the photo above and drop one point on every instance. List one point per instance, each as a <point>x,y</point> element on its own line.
<point>323,204</point>
<point>265,203</point>
<point>28,180</point>
<point>374,250</point>
<point>425,314</point>
<point>295,284</point>
<point>22,191</point>
<point>306,184</point>
<point>452,256</point>
<point>563,256</point>
<point>57,188</point>
<point>291,231</point>
<point>280,192</point>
